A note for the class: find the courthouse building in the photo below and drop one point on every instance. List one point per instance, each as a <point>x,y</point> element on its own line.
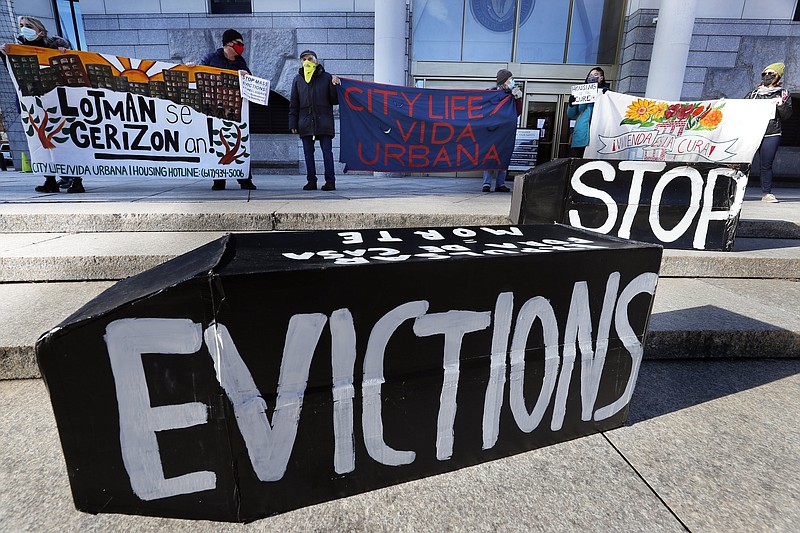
<point>549,45</point>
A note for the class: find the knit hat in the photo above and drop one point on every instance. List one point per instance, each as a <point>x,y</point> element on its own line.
<point>503,75</point>
<point>777,67</point>
<point>308,53</point>
<point>230,35</point>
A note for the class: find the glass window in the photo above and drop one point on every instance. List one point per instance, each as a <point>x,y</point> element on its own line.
<point>437,30</point>
<point>489,29</point>
<point>594,31</point>
<point>231,6</point>
<point>71,22</point>
<point>543,34</point>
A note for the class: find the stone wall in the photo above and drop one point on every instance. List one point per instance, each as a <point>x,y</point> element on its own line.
<point>273,41</point>
<point>726,57</point>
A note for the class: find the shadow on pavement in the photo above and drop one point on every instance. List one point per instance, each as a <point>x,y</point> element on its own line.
<point>664,387</point>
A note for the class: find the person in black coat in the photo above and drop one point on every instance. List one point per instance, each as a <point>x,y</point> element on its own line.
<point>771,88</point>
<point>311,115</point>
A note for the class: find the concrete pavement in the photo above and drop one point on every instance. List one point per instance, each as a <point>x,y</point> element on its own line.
<point>712,442</point>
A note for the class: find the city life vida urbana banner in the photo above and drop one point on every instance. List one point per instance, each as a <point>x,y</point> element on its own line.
<point>642,129</point>
<point>90,114</point>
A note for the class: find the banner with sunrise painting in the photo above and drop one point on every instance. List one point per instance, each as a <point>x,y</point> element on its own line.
<point>90,114</point>
<point>636,128</point>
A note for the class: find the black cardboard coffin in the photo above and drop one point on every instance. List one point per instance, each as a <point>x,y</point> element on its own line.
<point>265,372</point>
<point>677,205</point>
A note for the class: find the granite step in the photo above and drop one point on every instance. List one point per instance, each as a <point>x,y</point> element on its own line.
<point>692,318</point>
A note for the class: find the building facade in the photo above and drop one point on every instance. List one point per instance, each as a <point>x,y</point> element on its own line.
<point>549,45</point>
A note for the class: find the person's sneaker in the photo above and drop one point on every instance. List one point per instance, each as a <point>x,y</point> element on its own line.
<point>65,183</point>
<point>769,198</point>
<point>310,186</point>
<point>77,186</point>
<point>247,184</point>
<point>486,188</point>
<point>219,185</point>
<point>328,187</point>
<point>502,188</point>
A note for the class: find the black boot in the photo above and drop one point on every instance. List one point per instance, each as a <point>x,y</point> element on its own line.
<point>247,184</point>
<point>49,185</point>
<point>219,185</point>
<point>77,185</point>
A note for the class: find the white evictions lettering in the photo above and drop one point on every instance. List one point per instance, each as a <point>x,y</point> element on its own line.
<point>270,441</point>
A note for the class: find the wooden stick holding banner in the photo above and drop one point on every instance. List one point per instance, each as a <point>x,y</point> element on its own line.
<point>254,89</point>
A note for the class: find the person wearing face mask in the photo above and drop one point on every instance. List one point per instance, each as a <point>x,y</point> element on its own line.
<point>505,82</point>
<point>771,88</point>
<point>229,57</point>
<point>582,114</point>
<point>311,115</point>
<point>33,33</point>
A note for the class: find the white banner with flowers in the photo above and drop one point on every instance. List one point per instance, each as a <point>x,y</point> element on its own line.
<point>634,128</point>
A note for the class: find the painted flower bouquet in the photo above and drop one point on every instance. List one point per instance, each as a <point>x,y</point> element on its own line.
<point>695,115</point>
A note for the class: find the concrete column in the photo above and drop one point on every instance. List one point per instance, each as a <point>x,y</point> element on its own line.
<point>390,42</point>
<point>670,49</point>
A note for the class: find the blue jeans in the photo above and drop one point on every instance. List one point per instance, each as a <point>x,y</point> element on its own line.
<point>500,180</point>
<point>767,151</point>
<point>326,144</point>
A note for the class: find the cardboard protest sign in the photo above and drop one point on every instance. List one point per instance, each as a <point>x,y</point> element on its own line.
<point>265,372</point>
<point>90,114</point>
<point>692,206</point>
<point>585,93</point>
<point>254,89</point>
<point>715,131</point>
<point>409,129</point>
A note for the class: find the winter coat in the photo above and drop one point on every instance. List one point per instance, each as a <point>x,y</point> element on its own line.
<point>217,59</point>
<point>311,104</point>
<point>517,101</point>
<point>782,111</point>
<point>55,42</point>
<point>583,114</point>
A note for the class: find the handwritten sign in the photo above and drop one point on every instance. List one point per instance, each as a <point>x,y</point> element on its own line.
<point>259,373</point>
<point>408,129</point>
<point>254,89</point>
<point>584,94</point>
<point>91,114</point>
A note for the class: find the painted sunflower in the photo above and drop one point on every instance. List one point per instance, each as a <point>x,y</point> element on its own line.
<point>640,110</point>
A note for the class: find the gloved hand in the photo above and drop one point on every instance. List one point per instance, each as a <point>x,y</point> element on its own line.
<point>571,100</point>
<point>516,92</point>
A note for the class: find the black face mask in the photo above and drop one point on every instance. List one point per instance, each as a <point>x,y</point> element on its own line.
<point>768,79</point>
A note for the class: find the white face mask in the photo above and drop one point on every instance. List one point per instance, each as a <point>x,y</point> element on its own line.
<point>511,83</point>
<point>28,34</point>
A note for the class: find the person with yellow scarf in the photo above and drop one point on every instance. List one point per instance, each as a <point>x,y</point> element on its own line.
<point>311,116</point>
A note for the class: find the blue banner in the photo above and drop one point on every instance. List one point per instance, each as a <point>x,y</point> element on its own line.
<point>406,129</point>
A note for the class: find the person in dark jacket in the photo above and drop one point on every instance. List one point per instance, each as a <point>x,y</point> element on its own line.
<point>311,115</point>
<point>582,114</point>
<point>771,87</point>
<point>505,82</point>
<point>32,32</point>
<point>229,57</point>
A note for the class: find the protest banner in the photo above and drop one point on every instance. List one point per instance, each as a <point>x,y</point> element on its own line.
<point>717,131</point>
<point>678,205</point>
<point>259,373</point>
<point>408,129</point>
<point>91,114</point>
<point>254,89</point>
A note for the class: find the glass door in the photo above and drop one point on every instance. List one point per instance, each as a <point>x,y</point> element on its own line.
<point>547,113</point>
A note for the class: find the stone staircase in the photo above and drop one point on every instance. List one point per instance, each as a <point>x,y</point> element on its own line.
<point>744,303</point>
